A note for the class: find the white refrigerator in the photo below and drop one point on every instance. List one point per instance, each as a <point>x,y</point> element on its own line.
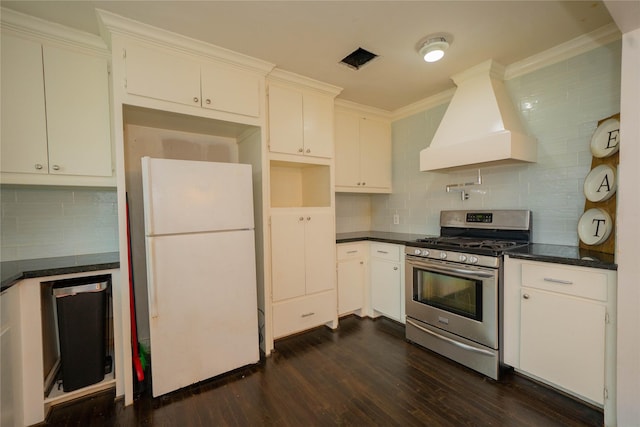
<point>201,272</point>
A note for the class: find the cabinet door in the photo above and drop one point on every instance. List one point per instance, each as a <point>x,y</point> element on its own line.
<point>24,132</point>
<point>351,280</point>
<point>285,120</point>
<point>347,140</point>
<point>375,153</point>
<point>78,126</point>
<point>563,341</point>
<point>320,252</point>
<point>229,89</point>
<point>385,288</point>
<point>161,75</point>
<point>318,125</point>
<point>287,256</point>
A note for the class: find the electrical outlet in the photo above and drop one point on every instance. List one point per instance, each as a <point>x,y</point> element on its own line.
<point>396,219</point>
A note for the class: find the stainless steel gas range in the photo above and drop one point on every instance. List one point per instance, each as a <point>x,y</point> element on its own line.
<point>454,285</point>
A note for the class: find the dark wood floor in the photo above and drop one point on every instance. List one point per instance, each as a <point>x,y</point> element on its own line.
<point>362,374</point>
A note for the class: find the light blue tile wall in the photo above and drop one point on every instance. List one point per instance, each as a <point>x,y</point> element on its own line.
<point>43,222</point>
<point>560,105</point>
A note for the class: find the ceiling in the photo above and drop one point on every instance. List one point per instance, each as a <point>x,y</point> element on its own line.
<point>311,37</point>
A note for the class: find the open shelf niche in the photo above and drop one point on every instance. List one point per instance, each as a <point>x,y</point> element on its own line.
<point>300,185</point>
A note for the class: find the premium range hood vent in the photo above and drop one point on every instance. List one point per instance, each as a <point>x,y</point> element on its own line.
<point>480,127</point>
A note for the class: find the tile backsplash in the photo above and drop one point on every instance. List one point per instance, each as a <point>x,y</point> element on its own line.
<point>560,106</point>
<point>43,222</point>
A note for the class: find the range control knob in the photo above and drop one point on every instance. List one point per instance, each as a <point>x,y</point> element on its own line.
<point>417,251</point>
<point>443,255</point>
<point>473,259</point>
<point>425,252</point>
<point>462,258</point>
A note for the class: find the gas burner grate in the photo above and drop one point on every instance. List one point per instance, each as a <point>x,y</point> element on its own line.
<point>471,243</point>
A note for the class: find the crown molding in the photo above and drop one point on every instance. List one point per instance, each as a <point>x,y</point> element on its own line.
<point>584,43</point>
<point>424,104</point>
<point>365,109</point>
<point>50,32</point>
<point>283,76</point>
<point>110,24</point>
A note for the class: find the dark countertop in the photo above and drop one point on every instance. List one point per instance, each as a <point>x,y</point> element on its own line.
<point>559,254</point>
<point>14,271</point>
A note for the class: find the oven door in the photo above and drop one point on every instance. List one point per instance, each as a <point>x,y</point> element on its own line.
<point>460,299</point>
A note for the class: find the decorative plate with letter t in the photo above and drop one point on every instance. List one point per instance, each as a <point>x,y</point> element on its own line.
<point>597,225</point>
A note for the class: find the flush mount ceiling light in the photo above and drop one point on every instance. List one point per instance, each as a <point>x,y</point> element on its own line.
<point>433,49</point>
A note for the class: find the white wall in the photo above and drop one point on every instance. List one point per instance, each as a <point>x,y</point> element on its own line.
<point>44,222</point>
<point>628,243</point>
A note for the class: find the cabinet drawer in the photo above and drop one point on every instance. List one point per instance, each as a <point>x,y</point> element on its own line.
<point>385,251</point>
<point>303,313</point>
<point>348,251</point>
<point>566,280</point>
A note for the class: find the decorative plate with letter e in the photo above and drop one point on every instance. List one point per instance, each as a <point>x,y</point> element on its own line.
<point>594,226</point>
<point>606,139</point>
<point>600,184</point>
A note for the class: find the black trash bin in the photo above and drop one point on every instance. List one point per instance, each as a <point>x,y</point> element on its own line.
<point>81,308</point>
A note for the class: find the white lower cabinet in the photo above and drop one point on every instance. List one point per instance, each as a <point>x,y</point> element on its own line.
<point>10,358</point>
<point>303,270</point>
<point>559,327</point>
<point>352,277</point>
<point>562,340</point>
<point>303,313</point>
<point>387,285</point>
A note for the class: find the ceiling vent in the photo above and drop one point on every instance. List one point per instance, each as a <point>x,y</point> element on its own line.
<point>358,58</point>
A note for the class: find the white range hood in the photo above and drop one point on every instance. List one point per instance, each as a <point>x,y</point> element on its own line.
<point>480,127</point>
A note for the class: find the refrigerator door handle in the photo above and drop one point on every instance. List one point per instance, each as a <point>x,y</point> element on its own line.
<point>153,292</point>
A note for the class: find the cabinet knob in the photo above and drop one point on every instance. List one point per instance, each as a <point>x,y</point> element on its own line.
<point>207,101</point>
<point>361,262</point>
<point>308,218</point>
<point>300,150</point>
<point>525,296</point>
<point>395,268</point>
<point>358,183</point>
<point>364,183</point>
<point>301,218</point>
<point>38,166</point>
<point>195,99</point>
<point>56,168</point>
<point>308,150</point>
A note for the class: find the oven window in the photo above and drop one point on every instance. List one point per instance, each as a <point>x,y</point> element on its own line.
<point>459,295</point>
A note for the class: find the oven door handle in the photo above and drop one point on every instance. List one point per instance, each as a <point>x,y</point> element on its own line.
<point>451,341</point>
<point>472,273</point>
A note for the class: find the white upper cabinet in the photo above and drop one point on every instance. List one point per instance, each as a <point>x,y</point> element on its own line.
<point>363,152</point>
<point>24,125</point>
<point>185,79</point>
<point>300,117</point>
<point>55,114</point>
<point>77,98</point>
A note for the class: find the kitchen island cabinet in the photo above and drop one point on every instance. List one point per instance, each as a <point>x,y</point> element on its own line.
<point>55,114</point>
<point>559,327</point>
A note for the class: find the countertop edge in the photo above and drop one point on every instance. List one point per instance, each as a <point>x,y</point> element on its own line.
<point>541,252</point>
<point>76,265</point>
